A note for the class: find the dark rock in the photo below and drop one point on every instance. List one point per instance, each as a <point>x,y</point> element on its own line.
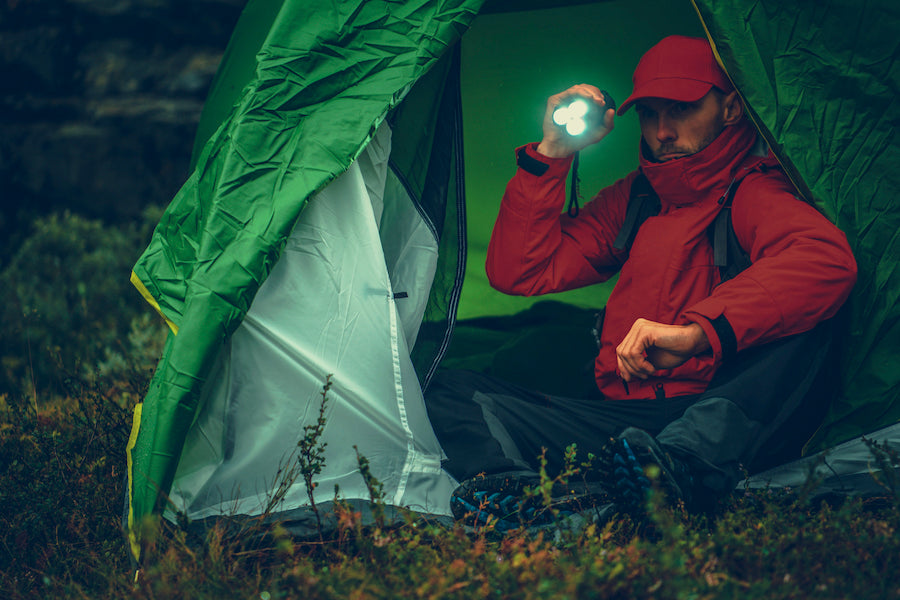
<point>37,59</point>
<point>100,100</point>
<point>135,156</point>
<point>121,67</point>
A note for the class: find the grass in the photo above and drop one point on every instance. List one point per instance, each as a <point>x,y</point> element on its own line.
<point>60,537</point>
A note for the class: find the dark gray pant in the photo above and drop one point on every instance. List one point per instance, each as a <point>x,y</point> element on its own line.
<point>757,412</point>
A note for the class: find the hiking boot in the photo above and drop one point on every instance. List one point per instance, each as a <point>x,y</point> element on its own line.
<point>502,496</point>
<point>629,461</point>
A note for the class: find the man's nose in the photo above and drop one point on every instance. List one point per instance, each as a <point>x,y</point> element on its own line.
<point>665,132</point>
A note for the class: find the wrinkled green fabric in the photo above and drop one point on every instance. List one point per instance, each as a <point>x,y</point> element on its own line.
<point>239,62</point>
<point>822,80</point>
<point>326,76</point>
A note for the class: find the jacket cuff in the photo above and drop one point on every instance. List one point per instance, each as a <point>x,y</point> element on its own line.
<point>719,332</point>
<point>726,337</point>
<point>531,161</point>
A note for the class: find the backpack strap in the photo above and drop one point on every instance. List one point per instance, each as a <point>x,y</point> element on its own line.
<point>728,254</point>
<point>643,203</point>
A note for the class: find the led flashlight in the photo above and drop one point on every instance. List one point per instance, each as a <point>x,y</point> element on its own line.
<point>572,115</point>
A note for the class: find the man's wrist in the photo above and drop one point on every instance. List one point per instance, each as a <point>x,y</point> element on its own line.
<point>552,150</point>
<point>699,338</point>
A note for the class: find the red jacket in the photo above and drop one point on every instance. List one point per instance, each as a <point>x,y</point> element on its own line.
<point>802,271</point>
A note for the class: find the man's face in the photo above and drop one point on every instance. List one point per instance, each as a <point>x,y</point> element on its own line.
<point>674,129</point>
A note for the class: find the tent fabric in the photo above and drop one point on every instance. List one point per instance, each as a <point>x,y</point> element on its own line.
<point>848,469</point>
<point>326,76</point>
<point>304,523</point>
<point>321,313</point>
<point>282,127</point>
<point>822,81</point>
<point>238,64</point>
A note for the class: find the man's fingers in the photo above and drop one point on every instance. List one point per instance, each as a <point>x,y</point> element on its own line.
<point>650,346</point>
<point>638,367</point>
<point>629,371</point>
<point>631,354</point>
<point>599,116</point>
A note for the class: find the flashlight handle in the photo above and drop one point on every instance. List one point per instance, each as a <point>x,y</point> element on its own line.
<point>608,100</point>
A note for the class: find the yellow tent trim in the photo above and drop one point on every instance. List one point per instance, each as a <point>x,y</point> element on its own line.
<point>132,440</point>
<point>136,282</point>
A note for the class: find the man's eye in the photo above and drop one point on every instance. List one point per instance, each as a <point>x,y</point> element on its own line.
<point>681,107</point>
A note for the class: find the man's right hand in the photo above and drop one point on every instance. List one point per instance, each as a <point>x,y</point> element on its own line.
<point>559,144</point>
<point>650,346</point>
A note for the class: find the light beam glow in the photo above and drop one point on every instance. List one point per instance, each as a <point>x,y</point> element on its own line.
<point>571,116</point>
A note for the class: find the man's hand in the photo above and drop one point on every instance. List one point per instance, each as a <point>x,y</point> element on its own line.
<point>559,144</point>
<point>651,346</point>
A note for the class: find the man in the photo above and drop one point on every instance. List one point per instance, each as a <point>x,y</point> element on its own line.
<point>699,376</point>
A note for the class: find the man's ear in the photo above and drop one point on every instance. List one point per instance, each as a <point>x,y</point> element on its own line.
<point>733,108</point>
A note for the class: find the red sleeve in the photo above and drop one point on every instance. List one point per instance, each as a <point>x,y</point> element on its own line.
<point>802,270</point>
<point>535,248</point>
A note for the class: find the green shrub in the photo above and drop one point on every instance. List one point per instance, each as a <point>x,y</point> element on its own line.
<point>62,470</point>
<point>68,307</point>
<point>61,487</point>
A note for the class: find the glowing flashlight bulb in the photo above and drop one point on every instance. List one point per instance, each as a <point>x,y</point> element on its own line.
<point>561,115</point>
<point>578,108</point>
<point>576,126</point>
<point>571,116</point>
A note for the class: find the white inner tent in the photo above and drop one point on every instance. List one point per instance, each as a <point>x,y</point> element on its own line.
<point>345,300</point>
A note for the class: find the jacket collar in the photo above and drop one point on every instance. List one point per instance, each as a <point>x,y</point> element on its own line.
<point>690,179</point>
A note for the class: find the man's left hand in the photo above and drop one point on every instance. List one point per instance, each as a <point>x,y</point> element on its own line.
<point>650,346</point>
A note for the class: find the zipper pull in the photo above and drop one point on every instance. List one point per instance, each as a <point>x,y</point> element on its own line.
<point>724,197</point>
<point>660,391</point>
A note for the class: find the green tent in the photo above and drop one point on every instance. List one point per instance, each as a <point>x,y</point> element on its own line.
<point>322,234</point>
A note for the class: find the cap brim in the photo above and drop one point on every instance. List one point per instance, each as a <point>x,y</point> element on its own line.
<point>678,89</point>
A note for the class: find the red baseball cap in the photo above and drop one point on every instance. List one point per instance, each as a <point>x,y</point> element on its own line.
<point>677,68</point>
